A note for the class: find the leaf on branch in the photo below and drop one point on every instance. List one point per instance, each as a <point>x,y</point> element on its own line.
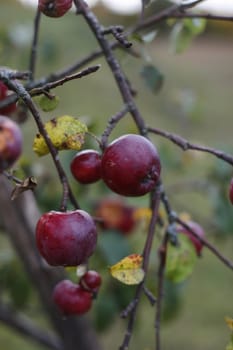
<point>129,270</point>
<point>152,77</point>
<point>229,322</point>
<point>185,31</point>
<point>28,184</point>
<point>65,132</point>
<point>47,103</point>
<point>180,260</point>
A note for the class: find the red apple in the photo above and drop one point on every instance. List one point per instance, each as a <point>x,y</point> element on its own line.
<point>131,165</point>
<point>10,142</point>
<point>198,230</point>
<point>71,299</point>
<point>66,238</point>
<point>231,191</point>
<point>54,8</point>
<point>4,92</point>
<point>86,166</point>
<point>91,281</point>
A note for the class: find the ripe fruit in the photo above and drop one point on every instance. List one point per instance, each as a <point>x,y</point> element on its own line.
<point>54,8</point>
<point>116,214</point>
<point>71,298</point>
<point>66,238</point>
<point>10,142</point>
<point>231,191</point>
<point>86,166</point>
<point>131,165</point>
<point>91,281</point>
<point>198,230</point>
<point>4,92</point>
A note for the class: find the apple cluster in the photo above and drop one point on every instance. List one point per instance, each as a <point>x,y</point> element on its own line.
<point>129,166</point>
<point>76,298</point>
<point>69,239</point>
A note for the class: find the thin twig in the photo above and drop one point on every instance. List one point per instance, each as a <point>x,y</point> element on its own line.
<point>32,62</point>
<point>60,82</point>
<point>185,145</point>
<point>26,328</point>
<point>113,63</point>
<point>111,125</point>
<point>161,270</point>
<point>24,95</point>
<point>155,200</point>
<point>207,244</point>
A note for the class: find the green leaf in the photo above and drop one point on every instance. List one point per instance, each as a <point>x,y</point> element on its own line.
<point>185,31</point>
<point>65,132</point>
<point>149,37</point>
<point>181,260</point>
<point>152,77</point>
<point>113,246</point>
<point>195,25</point>
<point>46,103</point>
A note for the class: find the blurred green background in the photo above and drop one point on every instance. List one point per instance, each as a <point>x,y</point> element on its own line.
<point>195,101</point>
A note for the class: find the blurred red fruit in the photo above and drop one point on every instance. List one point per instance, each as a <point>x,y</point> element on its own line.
<point>231,191</point>
<point>116,214</point>
<point>198,230</point>
<point>10,142</point>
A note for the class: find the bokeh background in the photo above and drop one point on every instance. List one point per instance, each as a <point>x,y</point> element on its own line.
<point>195,101</point>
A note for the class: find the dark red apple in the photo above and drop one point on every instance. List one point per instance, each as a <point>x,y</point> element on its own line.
<point>131,165</point>
<point>91,281</point>
<point>66,238</point>
<point>231,191</point>
<point>71,299</point>
<point>4,92</point>
<point>198,230</point>
<point>54,8</point>
<point>10,142</point>
<point>116,214</point>
<point>86,166</point>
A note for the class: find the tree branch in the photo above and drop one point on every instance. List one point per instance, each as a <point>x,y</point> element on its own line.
<point>25,327</point>
<point>185,145</point>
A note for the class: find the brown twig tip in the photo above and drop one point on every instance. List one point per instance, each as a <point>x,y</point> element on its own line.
<point>152,299</point>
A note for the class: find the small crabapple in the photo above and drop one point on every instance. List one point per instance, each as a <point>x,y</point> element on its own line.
<point>4,93</point>
<point>131,165</point>
<point>71,299</point>
<point>199,232</point>
<point>86,166</point>
<point>231,191</point>
<point>54,8</point>
<point>10,142</point>
<point>91,281</point>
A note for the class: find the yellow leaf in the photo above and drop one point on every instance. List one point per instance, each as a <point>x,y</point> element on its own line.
<point>142,214</point>
<point>65,132</point>
<point>128,270</point>
<point>185,216</point>
<point>229,322</point>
